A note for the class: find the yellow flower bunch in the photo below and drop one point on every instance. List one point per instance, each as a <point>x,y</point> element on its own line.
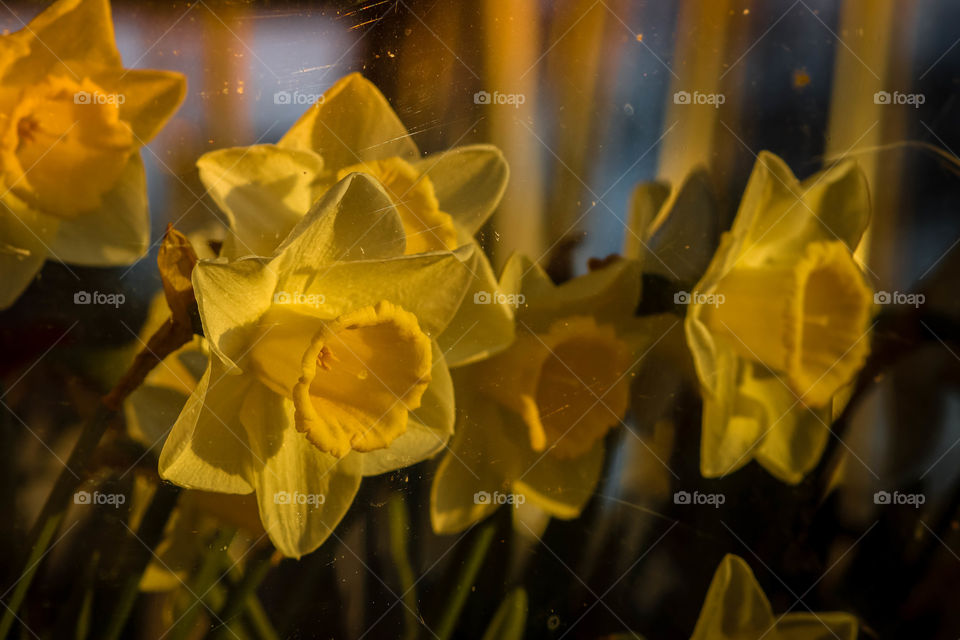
<point>72,184</point>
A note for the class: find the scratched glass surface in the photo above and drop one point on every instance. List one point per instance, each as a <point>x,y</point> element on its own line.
<point>577,319</point>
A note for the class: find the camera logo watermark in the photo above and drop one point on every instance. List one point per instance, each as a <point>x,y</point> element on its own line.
<point>496,297</point>
<point>96,97</point>
<point>485,497</point>
<point>297,98</point>
<point>485,97</point>
<point>308,299</point>
<point>96,297</point>
<point>696,498</point>
<point>311,499</point>
<point>713,99</point>
<point>695,297</point>
<point>898,297</point>
<point>912,99</point>
<point>98,498</point>
<point>912,499</point>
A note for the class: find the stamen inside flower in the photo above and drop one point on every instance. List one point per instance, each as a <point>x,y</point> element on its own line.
<point>570,385</point>
<point>427,228</point>
<point>356,377</point>
<point>806,320</point>
<point>64,146</point>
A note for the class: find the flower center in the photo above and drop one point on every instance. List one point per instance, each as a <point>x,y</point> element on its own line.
<point>352,379</point>
<point>570,385</point>
<point>64,146</point>
<point>805,320</point>
<point>427,228</point>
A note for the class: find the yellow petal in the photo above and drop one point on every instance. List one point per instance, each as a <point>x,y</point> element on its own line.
<point>609,294</point>
<point>25,237</point>
<point>482,325</point>
<point>232,297</point>
<point>302,492</point>
<point>817,626</point>
<point>427,228</point>
<point>561,486</point>
<point>354,220</point>
<point>430,286</point>
<point>481,460</point>
<point>265,190</point>
<point>735,606</point>
<point>115,233</point>
<point>469,182</point>
<point>352,123</point>
<point>207,448</point>
<point>70,36</point>
<point>151,97</point>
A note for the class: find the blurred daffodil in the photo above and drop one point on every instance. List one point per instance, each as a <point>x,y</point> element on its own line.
<point>531,419</point>
<point>442,199</point>
<point>779,322</point>
<point>736,608</point>
<point>324,365</point>
<point>71,124</point>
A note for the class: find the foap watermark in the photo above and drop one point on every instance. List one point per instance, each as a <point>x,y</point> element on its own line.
<point>695,297</point>
<point>485,497</point>
<point>295,297</point>
<point>99,498</point>
<point>912,499</point>
<point>297,98</point>
<point>513,99</point>
<point>96,297</point>
<point>898,297</point>
<point>697,498</point>
<point>97,97</point>
<point>496,297</point>
<point>712,99</point>
<point>912,99</point>
<point>310,499</point>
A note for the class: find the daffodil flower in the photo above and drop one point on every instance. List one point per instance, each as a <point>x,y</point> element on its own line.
<point>532,419</point>
<point>324,365</point>
<point>442,199</point>
<point>736,607</point>
<point>72,184</point>
<point>779,322</point>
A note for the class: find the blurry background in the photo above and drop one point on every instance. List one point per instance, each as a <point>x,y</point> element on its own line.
<point>591,110</point>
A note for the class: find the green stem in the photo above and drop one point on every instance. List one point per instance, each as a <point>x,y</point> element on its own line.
<point>207,576</point>
<point>399,522</point>
<point>468,574</point>
<point>149,534</point>
<point>259,621</point>
<point>55,508</point>
<point>240,594</point>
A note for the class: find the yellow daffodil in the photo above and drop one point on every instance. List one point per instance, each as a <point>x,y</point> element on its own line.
<point>779,322</point>
<point>442,199</point>
<point>71,124</point>
<point>532,419</point>
<point>736,609</point>
<point>324,365</point>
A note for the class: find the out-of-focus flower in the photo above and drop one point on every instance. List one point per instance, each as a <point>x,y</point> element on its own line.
<point>779,322</point>
<point>323,366</point>
<point>71,124</point>
<point>736,608</point>
<point>442,199</point>
<point>531,419</point>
